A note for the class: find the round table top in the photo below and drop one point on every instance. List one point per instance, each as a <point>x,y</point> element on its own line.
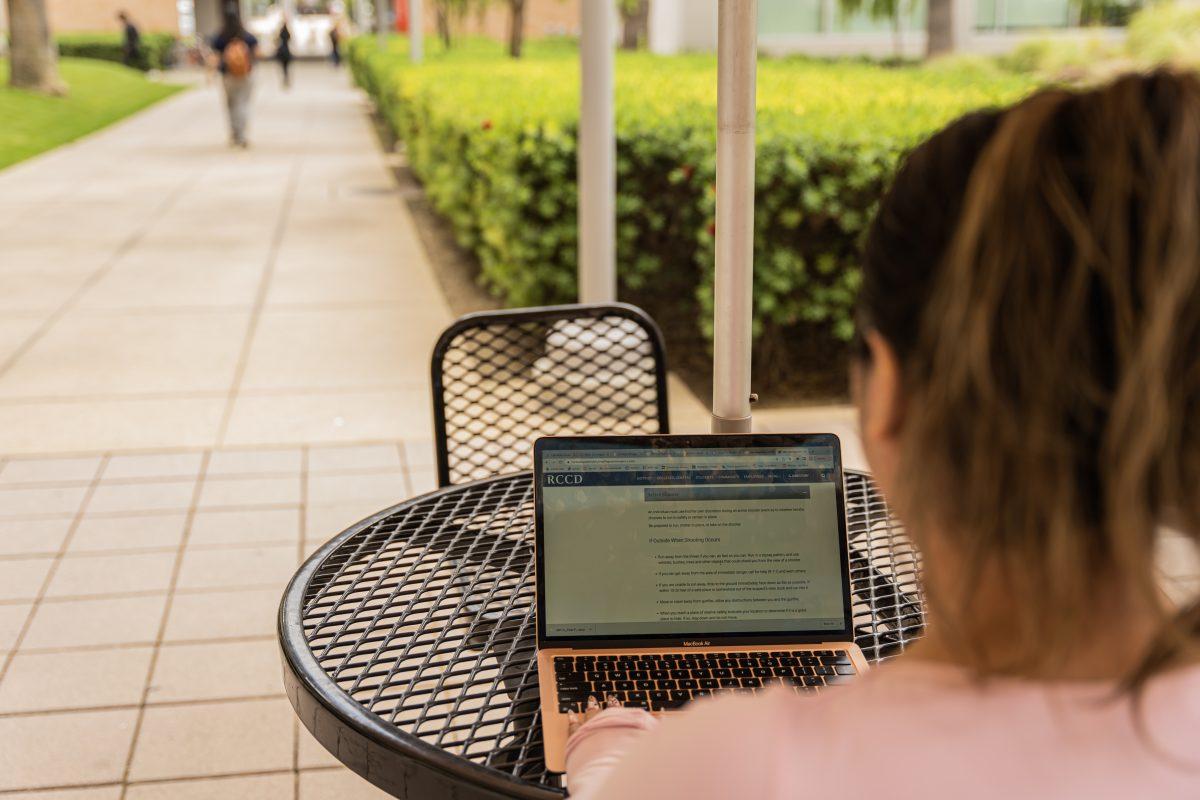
<point>408,639</point>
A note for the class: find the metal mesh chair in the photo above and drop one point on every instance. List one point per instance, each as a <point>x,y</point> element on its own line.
<point>503,378</point>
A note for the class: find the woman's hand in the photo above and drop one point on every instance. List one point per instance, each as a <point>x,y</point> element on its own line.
<point>576,719</point>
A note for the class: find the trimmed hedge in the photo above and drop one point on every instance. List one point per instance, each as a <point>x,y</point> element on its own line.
<point>157,50</point>
<point>493,141</point>
<point>1166,33</point>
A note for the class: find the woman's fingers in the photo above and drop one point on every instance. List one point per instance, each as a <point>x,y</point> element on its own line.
<point>575,719</point>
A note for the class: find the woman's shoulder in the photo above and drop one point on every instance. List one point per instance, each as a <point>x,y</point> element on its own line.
<point>1087,734</point>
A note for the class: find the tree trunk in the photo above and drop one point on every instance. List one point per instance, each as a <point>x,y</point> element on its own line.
<point>443,24</point>
<point>897,34</point>
<point>516,27</point>
<point>634,25</point>
<point>941,28</point>
<point>32,56</point>
<point>629,33</point>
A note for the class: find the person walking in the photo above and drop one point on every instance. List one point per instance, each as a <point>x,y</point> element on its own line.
<point>283,53</point>
<point>234,52</point>
<point>131,45</point>
<point>335,43</point>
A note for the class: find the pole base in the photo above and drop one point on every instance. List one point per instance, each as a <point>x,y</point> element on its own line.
<point>730,424</point>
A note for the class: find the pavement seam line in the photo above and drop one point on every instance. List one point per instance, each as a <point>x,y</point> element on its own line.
<point>169,450</point>
<point>187,702</point>
<point>162,624</point>
<point>266,773</point>
<point>260,300</point>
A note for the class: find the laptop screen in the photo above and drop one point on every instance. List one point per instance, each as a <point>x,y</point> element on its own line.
<point>699,536</point>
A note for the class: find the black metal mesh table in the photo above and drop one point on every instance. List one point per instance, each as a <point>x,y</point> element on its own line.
<point>408,640</point>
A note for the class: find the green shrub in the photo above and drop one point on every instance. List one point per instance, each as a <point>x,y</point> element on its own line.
<point>1159,33</point>
<point>157,49</point>
<point>1166,33</point>
<point>1062,56</point>
<point>493,141</point>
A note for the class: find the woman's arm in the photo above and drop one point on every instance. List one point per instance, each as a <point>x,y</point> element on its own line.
<point>715,749</point>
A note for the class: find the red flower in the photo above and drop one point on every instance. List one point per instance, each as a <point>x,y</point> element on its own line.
<point>487,125</point>
<point>688,170</point>
<point>712,228</point>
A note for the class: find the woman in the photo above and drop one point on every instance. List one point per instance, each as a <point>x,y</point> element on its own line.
<point>234,51</point>
<point>1029,392</point>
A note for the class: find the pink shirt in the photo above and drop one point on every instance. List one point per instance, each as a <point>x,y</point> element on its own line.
<point>908,729</point>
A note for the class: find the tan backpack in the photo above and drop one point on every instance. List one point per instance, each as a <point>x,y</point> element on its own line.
<point>237,59</point>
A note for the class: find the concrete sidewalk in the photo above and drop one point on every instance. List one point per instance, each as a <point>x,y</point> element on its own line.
<point>162,290</point>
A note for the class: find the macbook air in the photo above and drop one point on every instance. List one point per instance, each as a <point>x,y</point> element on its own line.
<point>670,568</point>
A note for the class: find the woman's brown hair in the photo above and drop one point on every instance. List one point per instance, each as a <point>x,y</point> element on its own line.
<point>1037,272</point>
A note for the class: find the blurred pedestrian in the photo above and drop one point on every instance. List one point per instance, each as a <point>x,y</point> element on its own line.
<point>335,44</point>
<point>131,45</point>
<point>283,53</point>
<point>234,54</point>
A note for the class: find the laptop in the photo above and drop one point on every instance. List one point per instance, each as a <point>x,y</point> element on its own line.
<point>670,568</point>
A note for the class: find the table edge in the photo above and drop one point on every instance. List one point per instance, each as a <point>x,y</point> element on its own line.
<point>313,693</point>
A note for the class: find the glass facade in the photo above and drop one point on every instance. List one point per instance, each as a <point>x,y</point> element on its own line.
<point>789,16</point>
<point>822,16</point>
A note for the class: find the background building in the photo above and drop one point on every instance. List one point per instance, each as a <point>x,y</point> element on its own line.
<point>67,16</point>
<point>819,28</point>
<point>542,18</point>
<point>785,26</point>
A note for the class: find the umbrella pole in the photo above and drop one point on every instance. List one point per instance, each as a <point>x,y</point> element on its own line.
<point>733,290</point>
<point>597,154</point>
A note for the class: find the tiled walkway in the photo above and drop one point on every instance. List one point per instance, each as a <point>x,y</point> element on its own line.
<point>137,603</point>
<point>210,362</point>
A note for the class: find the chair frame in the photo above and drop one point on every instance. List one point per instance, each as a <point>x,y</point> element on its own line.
<point>556,313</point>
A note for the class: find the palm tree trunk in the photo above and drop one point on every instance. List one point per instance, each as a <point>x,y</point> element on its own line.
<point>940,25</point>
<point>634,25</point>
<point>443,24</point>
<point>32,57</point>
<point>629,34</point>
<point>897,33</point>
<point>516,27</point>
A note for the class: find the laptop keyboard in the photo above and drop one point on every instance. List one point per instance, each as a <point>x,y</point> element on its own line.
<point>667,681</point>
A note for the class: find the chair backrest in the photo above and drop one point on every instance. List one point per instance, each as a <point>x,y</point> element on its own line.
<point>503,378</point>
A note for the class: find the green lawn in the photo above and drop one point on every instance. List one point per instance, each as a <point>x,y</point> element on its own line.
<point>101,93</point>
